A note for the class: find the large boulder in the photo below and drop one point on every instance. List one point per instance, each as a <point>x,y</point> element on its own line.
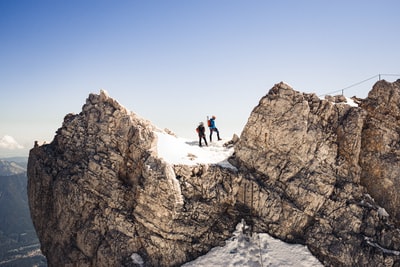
<point>302,154</point>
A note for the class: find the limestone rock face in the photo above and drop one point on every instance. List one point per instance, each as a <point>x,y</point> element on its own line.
<point>303,156</point>
<point>380,157</point>
<point>99,194</point>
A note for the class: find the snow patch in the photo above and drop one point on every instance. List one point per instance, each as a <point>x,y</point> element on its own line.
<point>137,259</point>
<point>255,250</point>
<point>104,92</point>
<point>351,102</point>
<point>382,212</point>
<point>177,150</point>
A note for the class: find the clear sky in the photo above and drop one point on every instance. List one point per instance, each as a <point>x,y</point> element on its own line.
<point>175,62</point>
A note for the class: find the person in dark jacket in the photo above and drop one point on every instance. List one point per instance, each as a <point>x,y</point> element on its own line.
<point>201,130</point>
<point>213,128</point>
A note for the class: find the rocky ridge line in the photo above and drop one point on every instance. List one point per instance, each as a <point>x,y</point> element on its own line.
<point>99,193</point>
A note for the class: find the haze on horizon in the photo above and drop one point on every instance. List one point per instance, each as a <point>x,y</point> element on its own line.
<point>175,62</point>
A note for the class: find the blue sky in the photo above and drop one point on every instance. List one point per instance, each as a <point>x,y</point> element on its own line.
<point>175,62</point>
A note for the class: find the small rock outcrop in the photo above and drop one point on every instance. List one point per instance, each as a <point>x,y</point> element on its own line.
<point>100,195</point>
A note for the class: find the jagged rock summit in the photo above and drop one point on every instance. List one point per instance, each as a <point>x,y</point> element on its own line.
<point>100,194</point>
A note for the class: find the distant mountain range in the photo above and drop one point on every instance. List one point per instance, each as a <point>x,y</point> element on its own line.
<point>11,166</point>
<point>19,245</point>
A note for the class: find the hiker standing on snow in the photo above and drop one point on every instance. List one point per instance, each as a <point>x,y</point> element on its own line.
<point>202,133</point>
<point>213,128</point>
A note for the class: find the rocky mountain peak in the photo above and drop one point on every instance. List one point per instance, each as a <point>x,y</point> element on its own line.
<point>101,196</point>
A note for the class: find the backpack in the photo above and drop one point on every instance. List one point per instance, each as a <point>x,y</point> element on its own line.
<point>208,122</point>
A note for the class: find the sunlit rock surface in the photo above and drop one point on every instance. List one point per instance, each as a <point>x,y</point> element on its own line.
<point>101,195</point>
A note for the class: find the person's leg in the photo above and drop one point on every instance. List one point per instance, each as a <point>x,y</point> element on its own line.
<point>205,140</point>
<point>199,140</point>
<point>219,138</point>
<point>211,132</point>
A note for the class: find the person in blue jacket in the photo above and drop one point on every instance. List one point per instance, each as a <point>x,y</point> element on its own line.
<point>213,128</point>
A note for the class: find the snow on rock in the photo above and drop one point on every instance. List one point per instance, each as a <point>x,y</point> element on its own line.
<point>351,102</point>
<point>382,212</point>
<point>256,250</point>
<point>177,150</point>
<point>136,259</point>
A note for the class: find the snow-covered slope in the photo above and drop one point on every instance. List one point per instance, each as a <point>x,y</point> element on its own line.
<point>176,150</point>
<point>255,250</point>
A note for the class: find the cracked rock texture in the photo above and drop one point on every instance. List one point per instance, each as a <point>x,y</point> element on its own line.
<point>380,156</point>
<point>308,171</point>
